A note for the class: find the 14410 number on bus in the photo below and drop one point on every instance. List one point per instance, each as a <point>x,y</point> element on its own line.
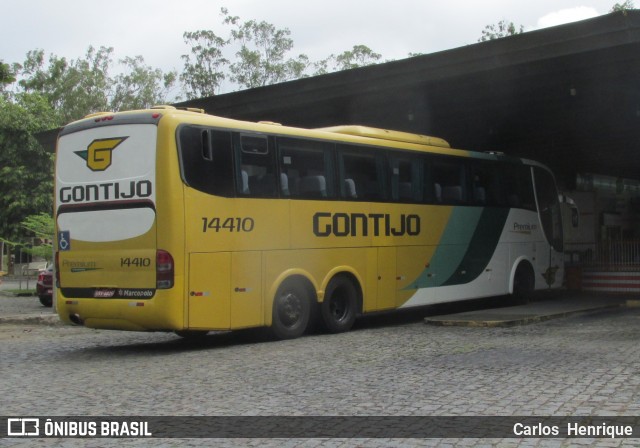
<point>227,224</point>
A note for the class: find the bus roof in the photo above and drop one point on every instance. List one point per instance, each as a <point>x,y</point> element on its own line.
<point>385,134</point>
<point>353,133</point>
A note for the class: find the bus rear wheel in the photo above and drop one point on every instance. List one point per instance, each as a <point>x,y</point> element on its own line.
<point>291,311</point>
<point>340,305</point>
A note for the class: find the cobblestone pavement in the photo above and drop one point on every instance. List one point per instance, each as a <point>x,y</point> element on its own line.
<point>10,306</point>
<point>582,365</point>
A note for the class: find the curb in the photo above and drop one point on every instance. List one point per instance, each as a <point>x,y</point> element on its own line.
<point>7,293</point>
<point>19,294</point>
<point>32,319</point>
<point>52,319</point>
<point>453,320</point>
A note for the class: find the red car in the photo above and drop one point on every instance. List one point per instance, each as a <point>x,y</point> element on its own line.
<point>44,287</point>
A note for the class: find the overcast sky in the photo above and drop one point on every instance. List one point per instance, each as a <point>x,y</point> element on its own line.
<point>154,28</point>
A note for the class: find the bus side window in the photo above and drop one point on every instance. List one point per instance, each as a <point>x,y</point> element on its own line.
<point>449,182</point>
<point>361,174</point>
<point>549,207</point>
<point>306,168</point>
<point>517,187</point>
<point>511,187</point>
<point>257,174</point>
<point>526,188</point>
<point>429,193</point>
<point>206,159</point>
<point>405,179</point>
<point>485,186</point>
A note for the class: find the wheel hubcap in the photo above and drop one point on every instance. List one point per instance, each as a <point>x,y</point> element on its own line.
<point>338,308</point>
<point>290,309</point>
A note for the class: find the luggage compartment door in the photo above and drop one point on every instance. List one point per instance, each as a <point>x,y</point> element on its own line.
<point>209,288</point>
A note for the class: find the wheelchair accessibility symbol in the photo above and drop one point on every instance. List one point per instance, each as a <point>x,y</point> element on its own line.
<point>64,240</point>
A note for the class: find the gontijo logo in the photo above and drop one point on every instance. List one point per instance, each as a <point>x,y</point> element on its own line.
<point>98,153</point>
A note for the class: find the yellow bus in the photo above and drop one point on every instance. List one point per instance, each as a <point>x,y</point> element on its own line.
<point>175,220</point>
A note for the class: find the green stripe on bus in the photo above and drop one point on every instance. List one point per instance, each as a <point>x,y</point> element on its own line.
<point>482,247</point>
<point>466,247</point>
<point>451,249</point>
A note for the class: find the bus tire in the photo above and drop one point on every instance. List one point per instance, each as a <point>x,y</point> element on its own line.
<point>523,284</point>
<point>340,305</point>
<point>192,334</point>
<point>291,311</point>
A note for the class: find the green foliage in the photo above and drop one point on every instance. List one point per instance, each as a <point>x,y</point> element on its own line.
<point>140,86</point>
<point>79,87</point>
<point>41,226</point>
<point>45,92</point>
<point>623,7</point>
<point>500,30</point>
<point>74,88</point>
<point>263,56</point>
<point>204,69</point>
<point>26,169</point>
<point>358,56</point>
<point>6,75</point>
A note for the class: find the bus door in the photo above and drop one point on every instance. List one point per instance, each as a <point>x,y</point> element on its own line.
<point>548,253</point>
<point>386,297</point>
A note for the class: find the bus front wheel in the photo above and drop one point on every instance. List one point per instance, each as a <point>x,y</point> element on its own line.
<point>291,311</point>
<point>340,305</point>
<point>523,284</point>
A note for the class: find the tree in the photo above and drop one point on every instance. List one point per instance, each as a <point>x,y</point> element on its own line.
<point>262,57</point>
<point>46,95</point>
<point>140,86</point>
<point>6,75</point>
<point>500,30</point>
<point>79,87</point>
<point>41,226</point>
<point>358,56</point>
<point>204,70</point>
<point>26,169</point>
<point>74,88</point>
<point>623,7</point>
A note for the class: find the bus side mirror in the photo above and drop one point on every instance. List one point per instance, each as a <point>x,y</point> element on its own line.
<point>575,213</point>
